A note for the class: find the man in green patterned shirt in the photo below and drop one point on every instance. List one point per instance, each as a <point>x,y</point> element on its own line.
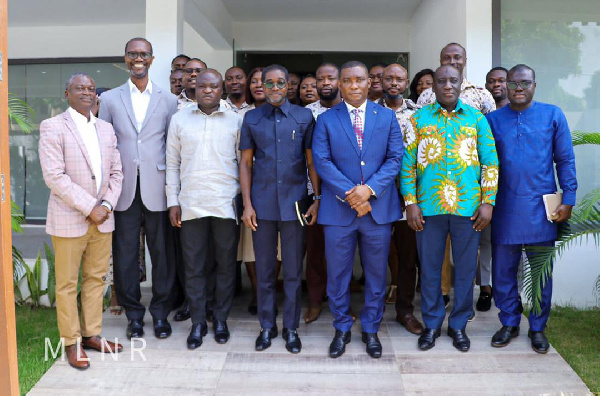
<point>449,180</point>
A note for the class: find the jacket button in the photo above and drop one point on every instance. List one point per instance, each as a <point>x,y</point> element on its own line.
<point>362,163</point>
<point>93,177</point>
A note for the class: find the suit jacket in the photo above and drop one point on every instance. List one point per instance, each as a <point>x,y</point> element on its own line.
<point>68,173</point>
<point>147,148</point>
<point>342,165</point>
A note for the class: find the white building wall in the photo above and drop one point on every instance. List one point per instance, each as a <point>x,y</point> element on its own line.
<point>195,46</point>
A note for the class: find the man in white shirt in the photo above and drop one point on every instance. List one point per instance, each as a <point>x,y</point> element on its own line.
<point>202,183</point>
<point>82,168</point>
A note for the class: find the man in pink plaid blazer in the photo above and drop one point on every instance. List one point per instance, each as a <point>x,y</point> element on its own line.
<point>82,169</point>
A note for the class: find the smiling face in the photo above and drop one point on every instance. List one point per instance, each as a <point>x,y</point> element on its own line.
<point>190,72</point>
<point>209,87</point>
<point>424,82</point>
<point>520,98</point>
<point>235,81</point>
<point>454,55</point>
<point>138,67</point>
<point>354,84</point>
<point>376,75</point>
<point>496,84</point>
<point>276,95</point>
<point>395,81</point>
<point>81,94</point>
<point>446,85</point>
<point>327,82</point>
<point>308,90</point>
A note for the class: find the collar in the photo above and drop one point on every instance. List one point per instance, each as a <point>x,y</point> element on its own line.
<point>362,107</point>
<point>183,96</point>
<point>285,108</point>
<point>460,107</point>
<point>406,104</point>
<point>223,106</point>
<point>79,118</point>
<point>466,84</point>
<point>133,88</point>
<point>230,103</point>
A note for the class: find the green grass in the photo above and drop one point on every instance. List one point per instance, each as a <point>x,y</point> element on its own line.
<point>575,334</point>
<point>33,326</point>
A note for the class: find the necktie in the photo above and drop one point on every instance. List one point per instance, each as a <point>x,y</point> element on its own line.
<point>358,127</point>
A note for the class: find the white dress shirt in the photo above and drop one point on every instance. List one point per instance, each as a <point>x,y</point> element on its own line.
<point>87,131</point>
<point>139,102</point>
<point>361,114</point>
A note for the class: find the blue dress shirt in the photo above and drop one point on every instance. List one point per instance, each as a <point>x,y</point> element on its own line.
<point>280,138</point>
<point>529,143</point>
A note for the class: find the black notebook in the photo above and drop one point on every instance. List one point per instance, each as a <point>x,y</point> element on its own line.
<point>301,209</point>
<point>238,208</point>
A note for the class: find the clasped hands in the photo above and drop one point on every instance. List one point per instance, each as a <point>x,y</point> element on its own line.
<point>98,215</point>
<point>358,198</point>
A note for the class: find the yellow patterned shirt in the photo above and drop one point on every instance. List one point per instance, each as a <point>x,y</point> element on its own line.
<point>451,167</point>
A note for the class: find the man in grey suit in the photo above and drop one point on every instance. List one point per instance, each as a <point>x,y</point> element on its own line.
<point>140,113</point>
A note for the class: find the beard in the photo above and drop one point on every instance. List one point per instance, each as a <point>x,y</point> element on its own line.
<point>393,97</point>
<point>236,95</point>
<point>331,96</point>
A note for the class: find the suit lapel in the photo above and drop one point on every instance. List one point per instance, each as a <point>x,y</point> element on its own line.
<point>344,117</point>
<point>154,98</point>
<point>75,132</point>
<point>126,98</point>
<point>370,120</point>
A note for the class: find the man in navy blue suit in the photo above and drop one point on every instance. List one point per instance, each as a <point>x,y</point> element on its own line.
<point>357,149</point>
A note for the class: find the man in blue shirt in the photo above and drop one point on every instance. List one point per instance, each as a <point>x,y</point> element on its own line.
<point>531,137</point>
<point>276,142</point>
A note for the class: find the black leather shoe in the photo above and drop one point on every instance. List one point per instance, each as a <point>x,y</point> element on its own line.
<point>198,331</point>
<point>373,344</point>
<point>182,313</point>
<point>446,299</point>
<point>221,331</point>
<point>338,345</point>
<point>162,328</point>
<point>484,302</point>
<point>427,338</point>
<point>292,340</point>
<point>459,339</point>
<point>135,328</point>
<point>504,335</point>
<point>539,342</point>
<point>264,338</point>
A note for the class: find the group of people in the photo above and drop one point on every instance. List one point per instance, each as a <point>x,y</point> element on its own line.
<point>282,167</point>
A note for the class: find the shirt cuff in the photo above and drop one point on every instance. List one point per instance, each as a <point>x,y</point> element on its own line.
<point>107,205</point>
<point>568,198</point>
<point>372,191</point>
<point>172,200</point>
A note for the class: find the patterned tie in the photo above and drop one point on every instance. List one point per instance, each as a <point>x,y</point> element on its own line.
<point>358,127</point>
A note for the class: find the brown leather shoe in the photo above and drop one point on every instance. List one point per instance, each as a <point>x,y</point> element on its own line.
<point>312,313</point>
<point>100,344</point>
<point>77,357</point>
<point>410,323</point>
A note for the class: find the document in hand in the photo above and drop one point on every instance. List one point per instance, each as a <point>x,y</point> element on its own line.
<point>551,202</point>
<point>238,208</point>
<point>301,209</point>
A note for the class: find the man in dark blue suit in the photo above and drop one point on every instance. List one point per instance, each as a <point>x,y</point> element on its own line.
<point>276,143</point>
<point>357,148</point>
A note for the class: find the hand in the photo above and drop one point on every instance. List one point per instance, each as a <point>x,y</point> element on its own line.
<point>99,214</point>
<point>358,195</point>
<point>312,212</point>
<point>249,217</point>
<point>363,209</point>
<point>482,217</point>
<point>175,216</point>
<point>414,217</point>
<point>563,212</point>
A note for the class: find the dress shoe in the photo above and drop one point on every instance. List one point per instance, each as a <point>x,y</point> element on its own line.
<point>162,328</point>
<point>135,328</point>
<point>446,299</point>
<point>77,357</point>
<point>427,338</point>
<point>472,316</point>
<point>312,313</point>
<point>459,339</point>
<point>100,344</point>
<point>484,302</point>
<point>410,323</point>
<point>263,341</point>
<point>338,345</point>
<point>539,342</point>
<point>504,335</point>
<point>221,331</point>
<point>198,331</point>
<point>182,313</point>
<point>292,340</point>
<point>373,344</point>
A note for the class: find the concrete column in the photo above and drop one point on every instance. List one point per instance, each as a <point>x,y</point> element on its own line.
<point>478,39</point>
<point>164,29</point>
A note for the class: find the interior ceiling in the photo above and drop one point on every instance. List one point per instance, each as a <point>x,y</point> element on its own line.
<point>321,10</point>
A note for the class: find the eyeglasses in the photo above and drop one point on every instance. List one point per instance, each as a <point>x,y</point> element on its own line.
<point>523,84</point>
<point>193,69</point>
<point>135,54</point>
<point>279,84</point>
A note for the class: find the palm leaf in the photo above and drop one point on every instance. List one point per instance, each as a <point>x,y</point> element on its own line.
<point>21,113</point>
<point>585,207</point>
<point>50,260</point>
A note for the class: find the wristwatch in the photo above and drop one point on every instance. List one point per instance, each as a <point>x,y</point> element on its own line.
<point>317,197</point>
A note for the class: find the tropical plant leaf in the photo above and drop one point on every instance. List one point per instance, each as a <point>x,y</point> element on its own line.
<point>16,217</point>
<point>582,137</point>
<point>50,260</point>
<point>21,113</point>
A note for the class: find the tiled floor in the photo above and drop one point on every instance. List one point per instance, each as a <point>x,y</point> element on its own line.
<point>168,368</point>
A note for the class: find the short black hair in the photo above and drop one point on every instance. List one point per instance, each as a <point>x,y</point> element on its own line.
<point>212,71</point>
<point>77,74</point>
<point>497,68</point>
<point>328,64</point>
<point>184,56</point>
<point>101,90</point>
<point>380,64</point>
<point>275,67</point>
<point>415,81</point>
<point>236,67</point>
<point>307,76</point>
<point>139,39</point>
<point>452,44</point>
<point>197,60</point>
<point>520,67</point>
<point>353,63</point>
